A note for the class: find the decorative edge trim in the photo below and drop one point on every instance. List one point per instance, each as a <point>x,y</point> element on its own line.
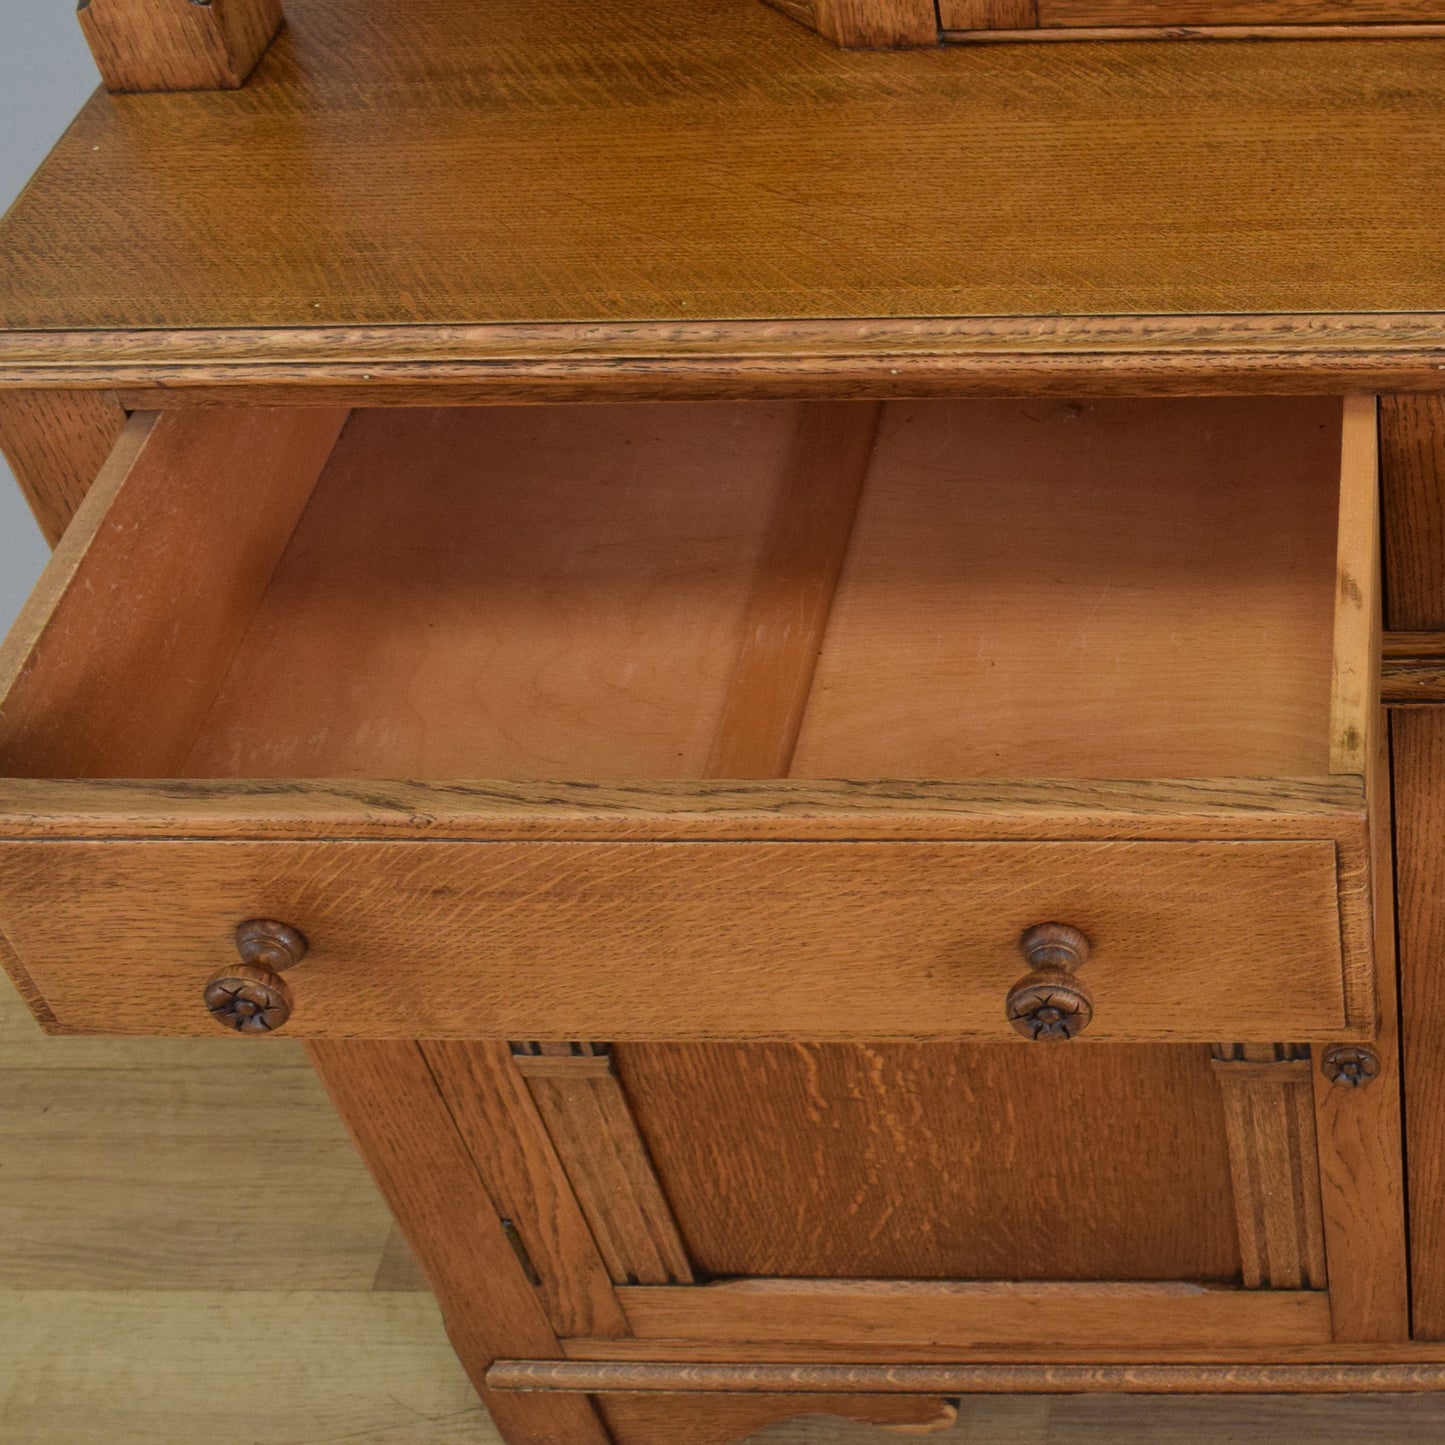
<point>610,1377</point>
<point>1369,351</point>
<point>1412,668</point>
<point>1362,31</point>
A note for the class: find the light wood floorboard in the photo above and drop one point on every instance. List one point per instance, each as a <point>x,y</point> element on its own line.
<point>191,1252</point>
<point>171,1366</point>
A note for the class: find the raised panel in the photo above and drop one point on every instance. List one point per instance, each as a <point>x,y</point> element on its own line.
<point>940,1161</point>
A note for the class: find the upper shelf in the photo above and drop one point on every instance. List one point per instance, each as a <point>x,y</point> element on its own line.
<point>438,163</point>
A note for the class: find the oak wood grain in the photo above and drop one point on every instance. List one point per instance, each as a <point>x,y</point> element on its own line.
<point>1412,668</point>
<point>592,1127</point>
<point>1412,443</point>
<point>963,1315</point>
<point>1302,31</point>
<point>1412,460</point>
<point>1418,739</point>
<point>691,940</point>
<point>636,1351</point>
<point>940,1161</point>
<point>142,1358</point>
<point>56,444</point>
<point>1359,1131</point>
<point>426,365</point>
<point>713,171</point>
<point>867,24</point>
<point>389,1101</point>
<point>1236,12</point>
<point>561,811</point>
<point>153,45</point>
<point>1274,1167</point>
<point>988,14</point>
<point>527,1181</point>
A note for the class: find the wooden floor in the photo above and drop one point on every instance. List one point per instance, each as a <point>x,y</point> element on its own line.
<point>190,1252</point>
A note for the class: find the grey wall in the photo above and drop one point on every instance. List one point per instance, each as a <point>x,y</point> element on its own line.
<point>45,75</point>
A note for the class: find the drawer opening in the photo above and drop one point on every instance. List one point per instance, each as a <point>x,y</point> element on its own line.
<point>968,589</point>
<point>716,721</point>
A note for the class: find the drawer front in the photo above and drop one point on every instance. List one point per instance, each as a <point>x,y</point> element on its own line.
<point>833,940</point>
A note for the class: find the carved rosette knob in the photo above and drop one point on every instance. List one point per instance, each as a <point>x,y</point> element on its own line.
<point>253,997</point>
<point>1044,1009</point>
<point>1350,1065</point>
<point>249,1000</point>
<point>1049,1004</point>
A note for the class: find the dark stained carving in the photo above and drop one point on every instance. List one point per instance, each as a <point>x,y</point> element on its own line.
<point>1049,1004</point>
<point>1352,1065</point>
<point>253,997</point>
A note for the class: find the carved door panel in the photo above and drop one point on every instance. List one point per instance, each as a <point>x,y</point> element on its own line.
<point>772,1205</point>
<point>952,1196</point>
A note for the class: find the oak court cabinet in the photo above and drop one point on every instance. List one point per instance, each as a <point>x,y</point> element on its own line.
<point>808,655</point>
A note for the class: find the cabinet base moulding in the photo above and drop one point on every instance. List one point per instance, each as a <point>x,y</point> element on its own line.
<point>1143,1379</point>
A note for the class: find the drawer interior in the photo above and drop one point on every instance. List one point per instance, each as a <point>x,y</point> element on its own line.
<point>938,589</point>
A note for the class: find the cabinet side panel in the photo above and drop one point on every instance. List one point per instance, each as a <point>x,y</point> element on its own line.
<point>1412,455</point>
<point>115,660</point>
<point>56,443</point>
<point>1418,739</point>
<point>391,1104</point>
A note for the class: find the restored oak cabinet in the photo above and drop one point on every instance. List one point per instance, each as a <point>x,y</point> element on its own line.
<point>776,654</point>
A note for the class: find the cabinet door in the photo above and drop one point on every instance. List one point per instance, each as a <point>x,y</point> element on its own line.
<point>670,1208</point>
<point>962,1197</point>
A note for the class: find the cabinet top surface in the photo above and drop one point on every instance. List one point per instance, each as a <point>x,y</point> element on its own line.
<point>433,162</point>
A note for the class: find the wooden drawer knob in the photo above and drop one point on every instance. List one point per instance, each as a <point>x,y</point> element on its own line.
<point>1047,1009</point>
<point>1050,1004</point>
<point>1351,1066</point>
<point>253,997</point>
<point>1054,945</point>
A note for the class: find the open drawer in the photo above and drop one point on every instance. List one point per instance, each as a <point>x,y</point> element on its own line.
<point>822,720</point>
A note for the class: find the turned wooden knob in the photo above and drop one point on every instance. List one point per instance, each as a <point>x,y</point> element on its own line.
<point>1054,945</point>
<point>1049,1003</point>
<point>253,997</point>
<point>1350,1065</point>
